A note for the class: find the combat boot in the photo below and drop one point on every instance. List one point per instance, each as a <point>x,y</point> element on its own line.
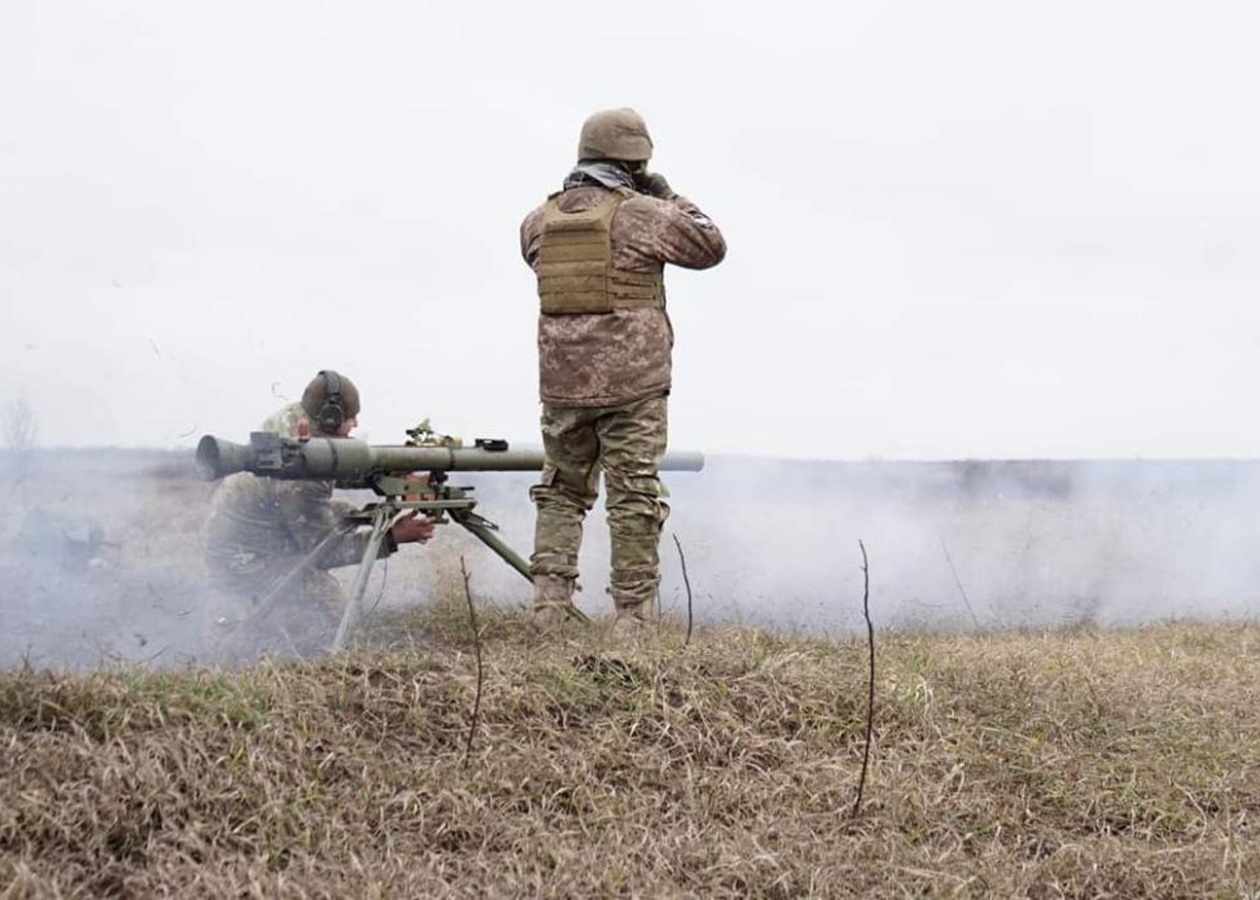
<point>553,603</point>
<point>633,621</point>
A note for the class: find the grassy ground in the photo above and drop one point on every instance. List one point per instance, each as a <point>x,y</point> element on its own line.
<point>1041,764</point>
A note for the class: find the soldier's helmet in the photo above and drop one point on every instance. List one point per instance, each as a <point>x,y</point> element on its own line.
<point>329,399</point>
<point>615,134</point>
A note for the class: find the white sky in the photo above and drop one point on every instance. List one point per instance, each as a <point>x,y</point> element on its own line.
<point>986,228</point>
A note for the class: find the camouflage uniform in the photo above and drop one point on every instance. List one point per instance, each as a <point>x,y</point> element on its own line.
<point>285,421</point>
<point>604,382</point>
<point>260,530</point>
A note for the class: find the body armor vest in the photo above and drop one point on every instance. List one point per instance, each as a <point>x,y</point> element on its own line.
<point>575,270</point>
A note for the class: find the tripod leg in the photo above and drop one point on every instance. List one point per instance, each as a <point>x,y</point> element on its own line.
<point>381,518</point>
<point>267,604</point>
<point>484,532</point>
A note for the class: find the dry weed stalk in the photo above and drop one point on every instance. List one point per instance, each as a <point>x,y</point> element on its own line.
<point>476,636</point>
<point>870,696</point>
<point>958,581</point>
<point>687,583</point>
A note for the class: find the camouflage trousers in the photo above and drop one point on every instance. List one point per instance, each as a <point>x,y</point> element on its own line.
<point>626,443</point>
<point>303,621</point>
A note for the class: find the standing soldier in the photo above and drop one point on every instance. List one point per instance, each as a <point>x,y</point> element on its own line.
<point>599,247</point>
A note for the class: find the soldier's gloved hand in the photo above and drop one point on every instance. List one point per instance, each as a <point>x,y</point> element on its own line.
<point>411,529</point>
<point>654,183</point>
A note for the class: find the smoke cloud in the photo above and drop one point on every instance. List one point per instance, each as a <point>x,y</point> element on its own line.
<point>100,553</point>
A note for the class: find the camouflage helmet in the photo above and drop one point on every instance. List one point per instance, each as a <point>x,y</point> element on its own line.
<point>329,400</point>
<point>615,134</point>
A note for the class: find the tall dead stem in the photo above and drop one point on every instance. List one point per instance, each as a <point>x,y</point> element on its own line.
<point>476,633</point>
<point>687,583</point>
<point>975,620</point>
<point>870,696</point>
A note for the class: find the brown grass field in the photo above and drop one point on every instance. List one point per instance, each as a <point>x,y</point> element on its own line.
<point>1072,763</point>
<point>1060,762</point>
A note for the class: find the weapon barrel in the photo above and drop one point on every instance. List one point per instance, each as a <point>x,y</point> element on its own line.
<point>352,461</point>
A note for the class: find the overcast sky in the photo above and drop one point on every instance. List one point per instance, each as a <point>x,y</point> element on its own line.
<point>986,228</point>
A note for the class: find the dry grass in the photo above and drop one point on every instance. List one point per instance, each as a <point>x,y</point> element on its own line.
<point>1077,763</point>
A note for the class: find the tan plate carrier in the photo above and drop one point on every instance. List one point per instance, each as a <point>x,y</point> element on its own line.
<point>575,271</point>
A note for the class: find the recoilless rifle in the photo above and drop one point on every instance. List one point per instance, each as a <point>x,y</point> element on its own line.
<point>388,471</point>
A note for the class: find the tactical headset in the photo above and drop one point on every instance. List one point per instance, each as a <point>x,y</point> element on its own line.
<point>332,415</point>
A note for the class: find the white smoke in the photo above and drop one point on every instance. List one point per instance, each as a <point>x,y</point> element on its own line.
<point>100,550</point>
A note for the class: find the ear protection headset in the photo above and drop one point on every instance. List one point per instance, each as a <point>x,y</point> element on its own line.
<point>332,415</point>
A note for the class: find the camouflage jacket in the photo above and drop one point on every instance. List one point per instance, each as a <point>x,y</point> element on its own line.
<point>261,528</point>
<point>625,355</point>
<point>285,421</point>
